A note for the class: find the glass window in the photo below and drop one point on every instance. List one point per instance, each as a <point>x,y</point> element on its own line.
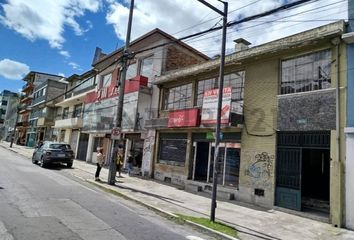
<point>147,68</point>
<point>78,110</point>
<point>88,82</point>
<point>60,146</point>
<point>106,80</point>
<point>66,113</point>
<point>178,97</point>
<point>233,80</point>
<point>306,73</point>
<point>172,151</point>
<point>132,71</point>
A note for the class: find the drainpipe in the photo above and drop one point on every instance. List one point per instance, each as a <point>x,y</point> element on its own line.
<point>336,43</point>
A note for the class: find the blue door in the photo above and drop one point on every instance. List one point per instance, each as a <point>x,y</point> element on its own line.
<point>288,178</point>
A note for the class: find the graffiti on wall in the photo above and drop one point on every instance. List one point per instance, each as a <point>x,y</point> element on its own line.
<point>147,151</point>
<point>260,170</point>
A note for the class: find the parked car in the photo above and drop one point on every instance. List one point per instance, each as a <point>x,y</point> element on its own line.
<point>53,152</point>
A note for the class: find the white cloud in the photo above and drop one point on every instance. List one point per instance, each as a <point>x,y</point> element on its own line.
<point>61,74</point>
<point>12,69</point>
<point>64,53</point>
<point>46,20</point>
<point>191,16</point>
<point>74,66</point>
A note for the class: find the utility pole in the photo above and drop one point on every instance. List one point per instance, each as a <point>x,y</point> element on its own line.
<point>220,95</point>
<point>120,85</point>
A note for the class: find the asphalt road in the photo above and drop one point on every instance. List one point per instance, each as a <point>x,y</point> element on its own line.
<point>46,204</point>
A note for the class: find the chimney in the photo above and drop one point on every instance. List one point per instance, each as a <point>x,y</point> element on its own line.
<point>241,44</point>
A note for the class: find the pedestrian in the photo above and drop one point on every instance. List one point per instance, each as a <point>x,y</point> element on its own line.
<point>130,162</point>
<point>120,161</point>
<point>100,162</point>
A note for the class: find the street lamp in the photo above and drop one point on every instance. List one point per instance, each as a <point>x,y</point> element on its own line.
<point>220,93</point>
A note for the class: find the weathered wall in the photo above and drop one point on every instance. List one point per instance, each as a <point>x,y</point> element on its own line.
<point>179,58</point>
<point>258,145</point>
<point>307,111</point>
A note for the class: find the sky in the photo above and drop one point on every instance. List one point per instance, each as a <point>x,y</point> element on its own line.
<point>60,36</point>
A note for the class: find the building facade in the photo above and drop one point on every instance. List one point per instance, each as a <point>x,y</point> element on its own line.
<point>43,110</point>
<point>141,96</point>
<point>11,116</point>
<point>69,119</point>
<point>32,79</point>
<point>6,99</point>
<point>283,116</point>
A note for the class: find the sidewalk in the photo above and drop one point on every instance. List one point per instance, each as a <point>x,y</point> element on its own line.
<point>251,222</point>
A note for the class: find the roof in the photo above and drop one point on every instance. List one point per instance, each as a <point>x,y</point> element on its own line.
<point>82,76</point>
<point>296,40</point>
<point>152,32</point>
<point>35,72</point>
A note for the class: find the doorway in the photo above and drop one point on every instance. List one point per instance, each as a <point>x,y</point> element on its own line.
<point>303,171</point>
<point>82,148</point>
<point>201,161</point>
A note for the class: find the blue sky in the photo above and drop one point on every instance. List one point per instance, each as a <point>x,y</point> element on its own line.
<point>60,37</point>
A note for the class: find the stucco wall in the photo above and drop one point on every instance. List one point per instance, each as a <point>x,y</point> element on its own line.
<point>258,145</point>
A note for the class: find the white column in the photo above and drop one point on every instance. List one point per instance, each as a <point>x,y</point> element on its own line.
<point>90,148</point>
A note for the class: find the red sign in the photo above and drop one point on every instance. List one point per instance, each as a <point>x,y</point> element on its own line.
<point>184,118</point>
<point>131,85</point>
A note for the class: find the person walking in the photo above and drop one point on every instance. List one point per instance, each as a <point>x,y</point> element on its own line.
<point>100,162</point>
<point>120,161</point>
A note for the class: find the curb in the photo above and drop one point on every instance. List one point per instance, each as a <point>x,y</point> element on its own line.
<point>162,212</point>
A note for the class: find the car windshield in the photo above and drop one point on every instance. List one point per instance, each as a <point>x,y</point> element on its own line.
<point>60,146</point>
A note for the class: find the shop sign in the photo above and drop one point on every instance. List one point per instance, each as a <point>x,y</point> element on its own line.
<point>184,118</point>
<point>210,106</point>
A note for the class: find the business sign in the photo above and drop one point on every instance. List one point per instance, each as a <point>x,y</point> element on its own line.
<point>210,106</point>
<point>184,118</point>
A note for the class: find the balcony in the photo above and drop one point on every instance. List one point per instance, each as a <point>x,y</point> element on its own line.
<point>26,98</point>
<point>69,123</point>
<point>27,87</point>
<point>43,121</point>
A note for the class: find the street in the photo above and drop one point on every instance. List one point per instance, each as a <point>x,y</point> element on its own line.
<point>38,203</point>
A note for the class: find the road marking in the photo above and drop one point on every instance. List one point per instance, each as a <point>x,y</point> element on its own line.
<point>194,238</point>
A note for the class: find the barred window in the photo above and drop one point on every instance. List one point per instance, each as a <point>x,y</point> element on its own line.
<point>178,97</point>
<point>306,73</point>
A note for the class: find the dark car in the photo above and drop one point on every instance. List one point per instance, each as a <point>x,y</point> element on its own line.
<point>53,152</point>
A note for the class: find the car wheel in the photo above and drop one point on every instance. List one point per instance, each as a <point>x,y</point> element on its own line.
<point>34,161</point>
<point>42,163</point>
<point>69,165</point>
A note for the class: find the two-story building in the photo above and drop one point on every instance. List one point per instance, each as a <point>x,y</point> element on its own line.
<point>43,110</point>
<point>69,120</point>
<point>283,115</point>
<point>32,80</point>
<point>141,96</point>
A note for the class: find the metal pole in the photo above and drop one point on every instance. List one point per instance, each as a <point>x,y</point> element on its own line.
<point>218,118</point>
<point>121,85</point>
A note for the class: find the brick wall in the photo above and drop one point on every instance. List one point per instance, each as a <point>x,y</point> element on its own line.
<point>179,58</point>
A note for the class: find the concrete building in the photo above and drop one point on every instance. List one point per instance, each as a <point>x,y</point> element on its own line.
<point>349,130</point>
<point>6,98</point>
<point>32,79</point>
<point>141,95</point>
<point>69,120</point>
<point>11,116</point>
<point>43,110</point>
<point>283,116</point>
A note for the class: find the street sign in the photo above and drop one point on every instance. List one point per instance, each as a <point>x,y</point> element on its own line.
<point>116,132</point>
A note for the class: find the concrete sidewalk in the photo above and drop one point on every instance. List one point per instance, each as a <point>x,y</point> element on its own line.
<point>250,221</point>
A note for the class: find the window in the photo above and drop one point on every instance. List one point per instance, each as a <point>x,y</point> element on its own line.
<point>173,148</point>
<point>132,71</point>
<point>234,80</point>
<point>66,113</point>
<point>88,82</point>
<point>77,111</point>
<point>106,80</point>
<point>306,73</point>
<point>178,97</point>
<point>147,68</point>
